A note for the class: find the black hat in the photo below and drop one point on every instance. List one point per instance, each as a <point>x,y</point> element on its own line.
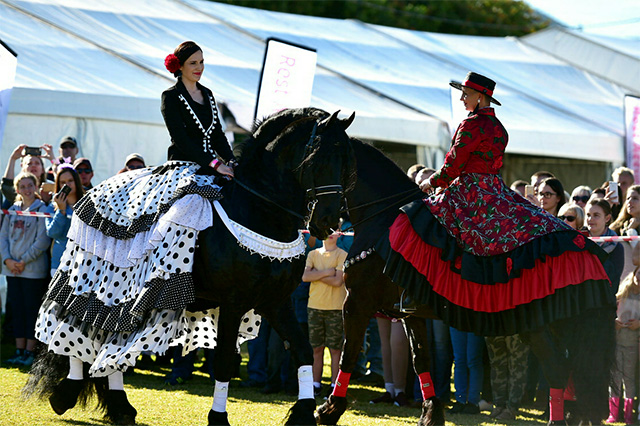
<point>69,139</point>
<point>478,82</point>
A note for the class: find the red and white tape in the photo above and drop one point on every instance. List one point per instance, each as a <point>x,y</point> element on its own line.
<point>21,213</point>
<point>616,239</point>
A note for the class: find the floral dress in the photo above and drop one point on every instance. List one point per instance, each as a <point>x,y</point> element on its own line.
<point>483,257</point>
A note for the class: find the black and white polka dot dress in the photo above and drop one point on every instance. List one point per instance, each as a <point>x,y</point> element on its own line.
<point>124,280</point>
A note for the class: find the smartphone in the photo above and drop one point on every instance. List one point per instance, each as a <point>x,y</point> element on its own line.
<point>33,150</point>
<point>528,190</point>
<point>48,187</point>
<point>66,189</point>
<point>613,187</point>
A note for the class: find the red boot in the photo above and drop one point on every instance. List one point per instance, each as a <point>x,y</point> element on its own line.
<point>614,409</point>
<point>628,411</point>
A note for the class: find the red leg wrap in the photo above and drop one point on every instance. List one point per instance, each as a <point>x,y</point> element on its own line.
<point>426,385</point>
<point>342,383</point>
<point>556,404</point>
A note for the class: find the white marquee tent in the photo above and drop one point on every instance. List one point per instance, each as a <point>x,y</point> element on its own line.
<point>94,69</point>
<point>615,59</point>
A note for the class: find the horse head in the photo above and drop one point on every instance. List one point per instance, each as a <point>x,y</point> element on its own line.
<point>302,161</point>
<point>327,171</point>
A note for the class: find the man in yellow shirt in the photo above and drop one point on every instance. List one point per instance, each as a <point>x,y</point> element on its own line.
<point>326,296</point>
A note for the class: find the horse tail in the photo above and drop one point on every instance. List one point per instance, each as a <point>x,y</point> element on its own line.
<point>590,339</point>
<point>49,369</point>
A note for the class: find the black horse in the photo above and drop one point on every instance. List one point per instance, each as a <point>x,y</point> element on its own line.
<point>291,174</point>
<point>239,281</point>
<point>381,189</point>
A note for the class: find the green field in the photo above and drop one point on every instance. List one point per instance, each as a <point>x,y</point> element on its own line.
<point>162,405</point>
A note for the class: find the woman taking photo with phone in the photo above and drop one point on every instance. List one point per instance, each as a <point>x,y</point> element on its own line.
<point>30,161</point>
<point>23,249</point>
<point>68,192</point>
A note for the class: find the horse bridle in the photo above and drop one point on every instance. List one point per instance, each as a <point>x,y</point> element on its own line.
<point>312,193</point>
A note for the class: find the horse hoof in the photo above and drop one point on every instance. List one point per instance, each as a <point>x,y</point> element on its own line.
<point>329,413</point>
<point>432,413</point>
<point>218,418</point>
<point>119,410</point>
<point>65,395</point>
<point>302,413</point>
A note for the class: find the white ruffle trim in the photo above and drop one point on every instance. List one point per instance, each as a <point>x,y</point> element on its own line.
<point>259,244</point>
<point>127,196</point>
<point>118,351</point>
<point>189,213</point>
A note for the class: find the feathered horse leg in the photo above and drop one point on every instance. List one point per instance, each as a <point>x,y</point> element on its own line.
<point>62,380</point>
<point>118,409</point>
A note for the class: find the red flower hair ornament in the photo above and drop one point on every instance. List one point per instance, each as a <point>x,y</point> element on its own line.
<point>172,63</point>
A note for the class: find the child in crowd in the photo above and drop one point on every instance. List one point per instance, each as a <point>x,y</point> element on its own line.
<point>627,344</point>
<point>326,296</point>
<point>23,248</point>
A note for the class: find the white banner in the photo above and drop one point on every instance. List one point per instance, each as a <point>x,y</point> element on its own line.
<point>287,78</point>
<point>8,65</point>
<point>632,130</point>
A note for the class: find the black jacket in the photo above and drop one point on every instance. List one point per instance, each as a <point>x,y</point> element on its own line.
<point>189,140</point>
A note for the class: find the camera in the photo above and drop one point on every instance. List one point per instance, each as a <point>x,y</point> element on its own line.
<point>32,150</point>
<point>66,189</point>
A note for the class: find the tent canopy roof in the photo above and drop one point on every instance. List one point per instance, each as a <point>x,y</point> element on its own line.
<point>106,60</point>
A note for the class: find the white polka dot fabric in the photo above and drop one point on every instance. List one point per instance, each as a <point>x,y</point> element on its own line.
<point>114,297</point>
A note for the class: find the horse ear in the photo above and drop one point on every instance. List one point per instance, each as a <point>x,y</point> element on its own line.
<point>328,121</point>
<point>347,122</point>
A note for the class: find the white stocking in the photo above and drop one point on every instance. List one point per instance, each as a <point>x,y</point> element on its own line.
<point>305,382</point>
<point>75,369</point>
<point>220,393</point>
<point>116,381</point>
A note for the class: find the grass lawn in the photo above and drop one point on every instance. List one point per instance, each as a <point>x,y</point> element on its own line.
<point>188,404</point>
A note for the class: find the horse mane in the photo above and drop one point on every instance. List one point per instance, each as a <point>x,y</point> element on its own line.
<point>373,162</point>
<point>268,129</point>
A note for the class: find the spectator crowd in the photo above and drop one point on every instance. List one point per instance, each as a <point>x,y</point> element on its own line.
<point>38,203</point>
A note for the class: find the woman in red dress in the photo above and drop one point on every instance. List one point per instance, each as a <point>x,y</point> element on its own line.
<point>487,260</point>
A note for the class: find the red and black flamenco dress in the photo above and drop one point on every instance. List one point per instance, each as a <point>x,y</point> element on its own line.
<point>484,258</point>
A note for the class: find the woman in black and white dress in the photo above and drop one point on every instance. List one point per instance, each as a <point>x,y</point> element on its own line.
<point>125,280</point>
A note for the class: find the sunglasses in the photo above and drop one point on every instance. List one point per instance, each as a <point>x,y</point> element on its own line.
<point>87,171</point>
<point>546,194</point>
<point>583,198</point>
<point>567,217</point>
<point>135,167</point>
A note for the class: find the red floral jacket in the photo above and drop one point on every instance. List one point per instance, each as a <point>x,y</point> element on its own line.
<point>477,147</point>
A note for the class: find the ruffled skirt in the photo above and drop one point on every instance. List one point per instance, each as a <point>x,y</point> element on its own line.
<point>124,280</point>
<point>489,262</point>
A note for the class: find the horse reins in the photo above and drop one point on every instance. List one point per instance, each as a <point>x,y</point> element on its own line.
<point>409,195</point>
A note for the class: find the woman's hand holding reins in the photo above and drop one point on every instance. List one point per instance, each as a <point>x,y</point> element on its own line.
<point>225,170</point>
